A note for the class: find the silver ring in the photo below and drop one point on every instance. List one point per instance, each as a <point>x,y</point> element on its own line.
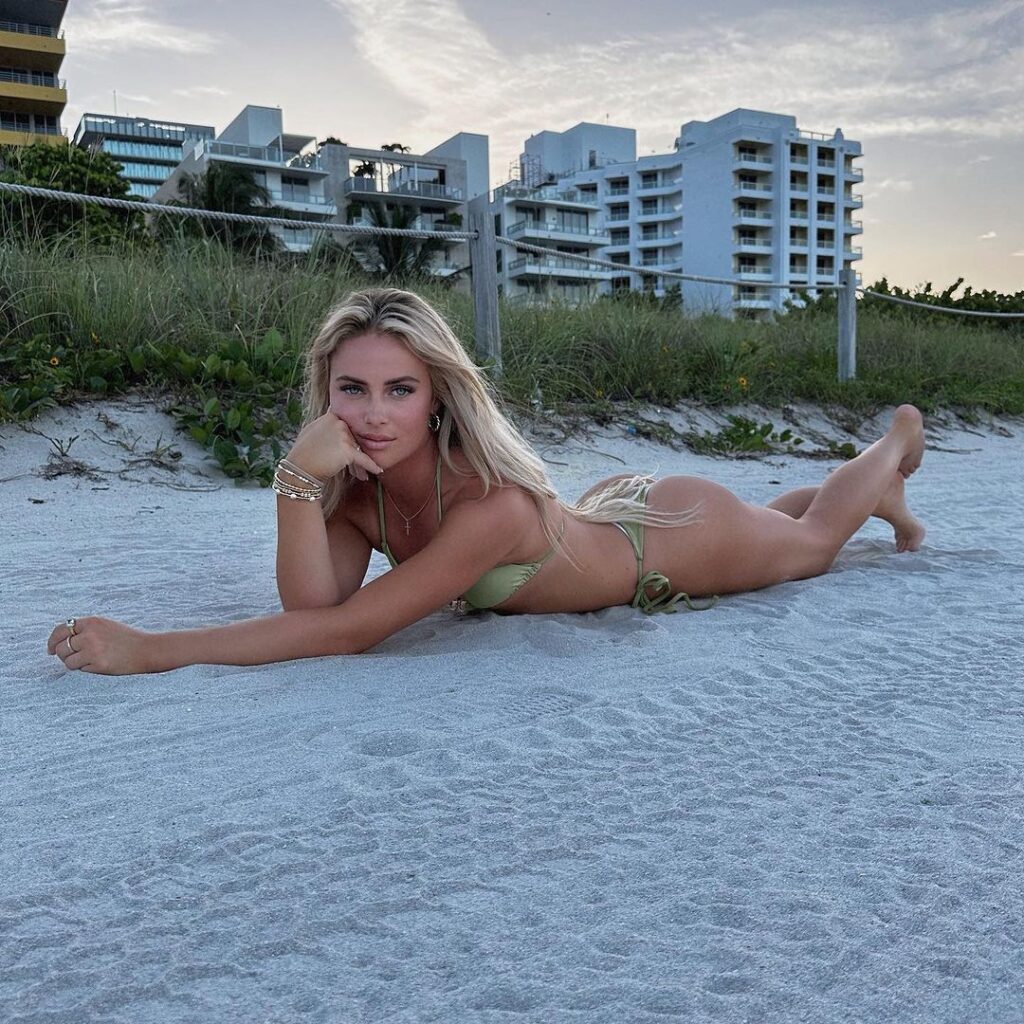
<point>71,625</point>
<point>71,649</point>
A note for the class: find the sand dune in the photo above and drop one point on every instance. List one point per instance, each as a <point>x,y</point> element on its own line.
<point>804,805</point>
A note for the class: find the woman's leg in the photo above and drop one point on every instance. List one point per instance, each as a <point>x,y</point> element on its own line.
<point>892,507</point>
<point>853,491</point>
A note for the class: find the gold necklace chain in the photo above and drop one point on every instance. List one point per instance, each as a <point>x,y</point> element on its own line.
<point>408,519</point>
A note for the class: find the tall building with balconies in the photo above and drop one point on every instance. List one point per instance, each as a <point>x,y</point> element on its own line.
<point>288,166</point>
<point>746,196</point>
<point>32,97</point>
<point>148,151</point>
<point>564,219</point>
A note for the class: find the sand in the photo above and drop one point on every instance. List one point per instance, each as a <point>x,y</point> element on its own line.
<point>804,805</point>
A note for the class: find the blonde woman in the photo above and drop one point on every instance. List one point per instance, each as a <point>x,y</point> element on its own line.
<point>405,451</point>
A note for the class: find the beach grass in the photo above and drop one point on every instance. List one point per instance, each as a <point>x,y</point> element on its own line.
<point>223,336</point>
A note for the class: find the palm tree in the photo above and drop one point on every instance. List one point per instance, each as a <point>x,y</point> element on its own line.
<point>228,188</point>
<point>395,256</point>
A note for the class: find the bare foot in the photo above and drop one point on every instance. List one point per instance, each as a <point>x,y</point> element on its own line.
<point>909,530</point>
<point>909,421</point>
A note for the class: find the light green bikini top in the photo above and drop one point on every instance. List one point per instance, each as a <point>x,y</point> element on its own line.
<point>496,585</point>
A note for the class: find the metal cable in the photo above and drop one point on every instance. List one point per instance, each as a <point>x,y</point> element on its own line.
<point>238,218</point>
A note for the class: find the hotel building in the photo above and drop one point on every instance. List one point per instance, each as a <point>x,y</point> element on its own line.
<point>148,151</point>
<point>747,195</point>
<point>32,97</point>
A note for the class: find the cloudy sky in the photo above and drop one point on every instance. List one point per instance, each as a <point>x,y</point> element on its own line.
<point>933,90</point>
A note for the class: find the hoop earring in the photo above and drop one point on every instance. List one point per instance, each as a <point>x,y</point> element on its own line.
<point>434,422</point>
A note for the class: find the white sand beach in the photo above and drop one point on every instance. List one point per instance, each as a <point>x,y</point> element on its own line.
<point>806,804</point>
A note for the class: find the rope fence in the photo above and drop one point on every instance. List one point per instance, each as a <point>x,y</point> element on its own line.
<point>483,242</point>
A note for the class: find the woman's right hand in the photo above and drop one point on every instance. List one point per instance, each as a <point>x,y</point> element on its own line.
<point>326,446</point>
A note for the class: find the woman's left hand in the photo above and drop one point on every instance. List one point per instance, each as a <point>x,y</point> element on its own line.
<point>101,645</point>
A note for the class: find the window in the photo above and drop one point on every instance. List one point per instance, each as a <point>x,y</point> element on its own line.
<point>620,237</point>
<point>592,158</point>
<point>619,257</point>
<point>648,206</point>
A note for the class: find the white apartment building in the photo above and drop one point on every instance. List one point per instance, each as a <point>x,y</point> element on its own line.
<point>333,181</point>
<point>288,166</point>
<point>565,219</point>
<point>747,195</point>
<point>435,185</point>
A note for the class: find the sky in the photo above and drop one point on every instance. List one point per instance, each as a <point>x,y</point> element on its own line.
<point>934,92</point>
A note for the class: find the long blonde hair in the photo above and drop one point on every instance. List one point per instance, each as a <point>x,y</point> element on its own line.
<point>471,419</point>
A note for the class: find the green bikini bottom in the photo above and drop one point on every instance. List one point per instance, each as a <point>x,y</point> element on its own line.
<point>662,600</point>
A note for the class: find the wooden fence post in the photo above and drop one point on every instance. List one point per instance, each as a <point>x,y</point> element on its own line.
<point>484,270</point>
<point>847,352</point>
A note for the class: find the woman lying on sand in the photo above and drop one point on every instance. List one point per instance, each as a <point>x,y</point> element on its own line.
<point>404,450</point>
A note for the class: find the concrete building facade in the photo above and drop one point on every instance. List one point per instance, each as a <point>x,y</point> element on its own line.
<point>147,150</point>
<point>32,96</point>
<point>747,195</point>
<point>287,165</point>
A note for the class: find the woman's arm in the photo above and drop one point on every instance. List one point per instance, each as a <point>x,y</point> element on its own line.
<point>318,563</point>
<point>474,537</point>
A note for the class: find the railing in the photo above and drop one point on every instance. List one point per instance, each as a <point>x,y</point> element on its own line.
<point>426,188</point>
<point>25,29</point>
<point>553,263</point>
<point>45,79</point>
<point>617,218</point>
<point>9,124</point>
<point>799,161</point>
<point>297,197</point>
<point>619,190</point>
<point>263,154</point>
<point>522,227</point>
<point>853,197</point>
<point>513,190</point>
<point>826,163</point>
<point>749,186</point>
<point>853,224</point>
<point>750,158</point>
<point>648,186</point>
<point>824,190</point>
<point>755,214</point>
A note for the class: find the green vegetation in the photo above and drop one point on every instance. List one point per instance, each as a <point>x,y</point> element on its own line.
<point>221,333</point>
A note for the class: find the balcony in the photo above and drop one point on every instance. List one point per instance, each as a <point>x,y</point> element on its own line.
<point>826,218</point>
<point>754,273</point>
<point>661,213</point>
<point>852,173</point>
<point>429,191</point>
<point>663,188</point>
<point>798,188</point>
<point>751,161</point>
<point>799,216</point>
<point>799,161</point>
<point>826,164</point>
<point>619,190</point>
<point>659,238</point>
<point>853,227</point>
<point>298,201</point>
<point>752,216</point>
<point>32,93</point>
<point>753,245</point>
<point>37,47</point>
<point>554,266</point>
<point>751,188</point>
<point>759,299</point>
<point>798,245</point>
<point>853,199</point>
<point>260,155</point>
<point>545,194</point>
<point>16,136</point>
<point>555,232</point>
<point>824,190</point>
<point>852,252</point>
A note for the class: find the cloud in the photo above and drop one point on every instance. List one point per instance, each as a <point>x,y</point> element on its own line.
<point>111,26</point>
<point>988,235</point>
<point>980,159</point>
<point>893,185</point>
<point>1019,252</point>
<point>956,75</point>
<point>198,91</point>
